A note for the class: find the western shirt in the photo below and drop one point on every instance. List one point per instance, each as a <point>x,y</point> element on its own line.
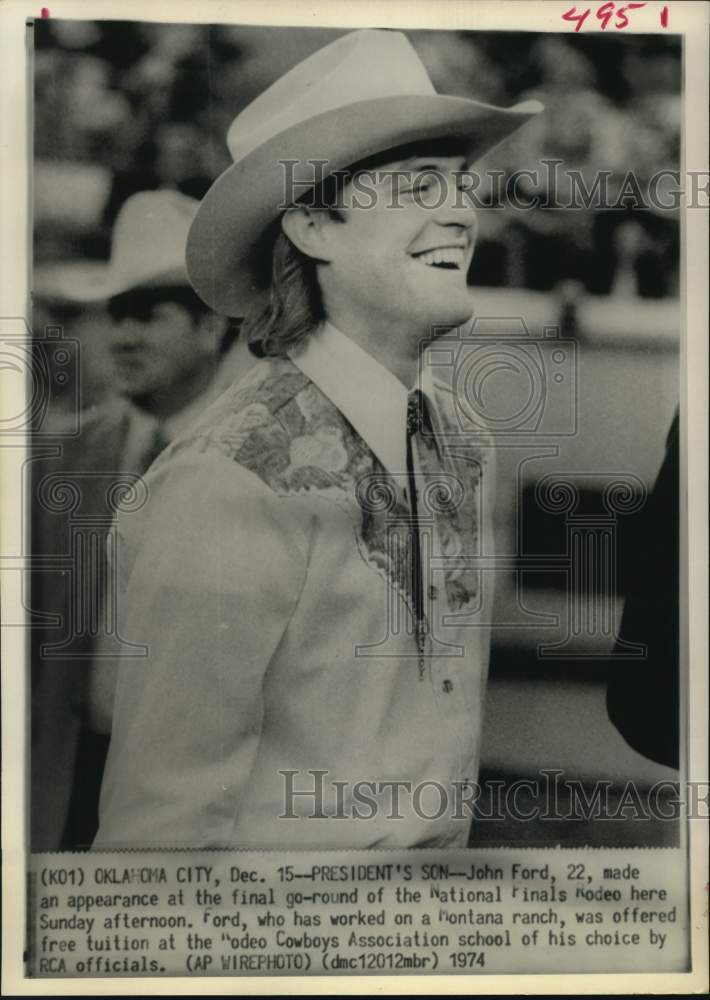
<point>275,699</point>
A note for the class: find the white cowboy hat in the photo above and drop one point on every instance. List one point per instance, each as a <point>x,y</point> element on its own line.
<point>147,250</point>
<point>365,93</point>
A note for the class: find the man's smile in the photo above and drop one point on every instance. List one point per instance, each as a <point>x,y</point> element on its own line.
<point>451,257</point>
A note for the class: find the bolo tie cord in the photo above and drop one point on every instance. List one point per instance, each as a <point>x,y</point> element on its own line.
<point>415,422</point>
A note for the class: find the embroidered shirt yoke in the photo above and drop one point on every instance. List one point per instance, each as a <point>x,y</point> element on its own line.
<point>268,583</point>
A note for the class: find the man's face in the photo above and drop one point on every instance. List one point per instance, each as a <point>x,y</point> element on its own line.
<point>156,344</point>
<point>400,256</point>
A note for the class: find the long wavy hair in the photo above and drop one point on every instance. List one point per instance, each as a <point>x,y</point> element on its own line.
<point>294,306</point>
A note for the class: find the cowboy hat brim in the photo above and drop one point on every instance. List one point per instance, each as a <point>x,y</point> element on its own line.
<point>88,282</point>
<point>223,260</point>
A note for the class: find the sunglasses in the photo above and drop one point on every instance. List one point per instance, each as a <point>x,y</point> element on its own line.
<point>140,303</point>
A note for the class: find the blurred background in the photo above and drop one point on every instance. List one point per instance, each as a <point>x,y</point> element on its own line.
<point>122,107</point>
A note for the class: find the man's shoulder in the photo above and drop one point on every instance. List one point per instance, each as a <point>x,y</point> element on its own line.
<point>275,422</point>
<point>274,393</point>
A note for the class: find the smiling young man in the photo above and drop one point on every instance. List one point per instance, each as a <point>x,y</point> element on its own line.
<point>306,574</point>
<point>392,264</point>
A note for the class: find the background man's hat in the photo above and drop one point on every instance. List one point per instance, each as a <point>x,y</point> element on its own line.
<point>147,250</point>
<point>363,94</point>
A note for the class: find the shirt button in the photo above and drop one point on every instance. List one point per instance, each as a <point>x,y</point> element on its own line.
<point>448,686</point>
<point>433,593</point>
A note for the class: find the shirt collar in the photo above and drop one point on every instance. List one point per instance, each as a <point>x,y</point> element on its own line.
<point>368,395</point>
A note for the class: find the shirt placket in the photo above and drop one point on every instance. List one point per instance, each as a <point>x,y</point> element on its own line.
<point>445,671</point>
<point>428,542</point>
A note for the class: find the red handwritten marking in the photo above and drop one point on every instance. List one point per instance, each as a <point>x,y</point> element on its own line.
<point>572,15</point>
<point>664,17</point>
<point>604,14</point>
<point>621,13</point>
<point>45,12</point>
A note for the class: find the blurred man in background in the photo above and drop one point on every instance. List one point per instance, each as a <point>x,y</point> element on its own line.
<point>170,356</point>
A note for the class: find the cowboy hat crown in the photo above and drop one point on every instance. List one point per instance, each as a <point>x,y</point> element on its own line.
<point>363,65</point>
<point>147,250</point>
<point>359,96</point>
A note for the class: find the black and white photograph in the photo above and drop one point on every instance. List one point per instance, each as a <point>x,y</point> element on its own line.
<point>355,480</point>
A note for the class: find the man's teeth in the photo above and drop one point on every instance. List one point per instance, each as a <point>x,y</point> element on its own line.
<point>452,256</point>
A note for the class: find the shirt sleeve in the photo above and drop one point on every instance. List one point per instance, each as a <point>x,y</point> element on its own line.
<point>213,565</point>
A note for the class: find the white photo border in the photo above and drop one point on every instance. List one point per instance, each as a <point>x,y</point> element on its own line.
<point>687,18</point>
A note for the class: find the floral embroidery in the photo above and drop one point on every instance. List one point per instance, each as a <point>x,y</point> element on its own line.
<point>323,449</point>
<point>279,425</point>
<point>458,520</point>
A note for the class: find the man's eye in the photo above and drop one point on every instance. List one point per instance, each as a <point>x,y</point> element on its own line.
<point>417,188</point>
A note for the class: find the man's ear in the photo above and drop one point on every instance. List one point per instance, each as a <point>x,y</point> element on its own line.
<point>308,229</point>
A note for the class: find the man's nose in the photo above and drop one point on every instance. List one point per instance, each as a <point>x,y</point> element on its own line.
<point>454,206</point>
<point>460,223</point>
<point>127,332</point>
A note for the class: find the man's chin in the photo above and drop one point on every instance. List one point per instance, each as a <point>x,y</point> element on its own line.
<point>448,319</point>
<point>132,383</point>
<point>140,396</point>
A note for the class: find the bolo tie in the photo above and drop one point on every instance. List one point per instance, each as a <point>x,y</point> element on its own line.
<point>415,423</point>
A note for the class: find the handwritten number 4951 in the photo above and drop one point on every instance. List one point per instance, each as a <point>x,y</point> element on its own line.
<point>604,14</point>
